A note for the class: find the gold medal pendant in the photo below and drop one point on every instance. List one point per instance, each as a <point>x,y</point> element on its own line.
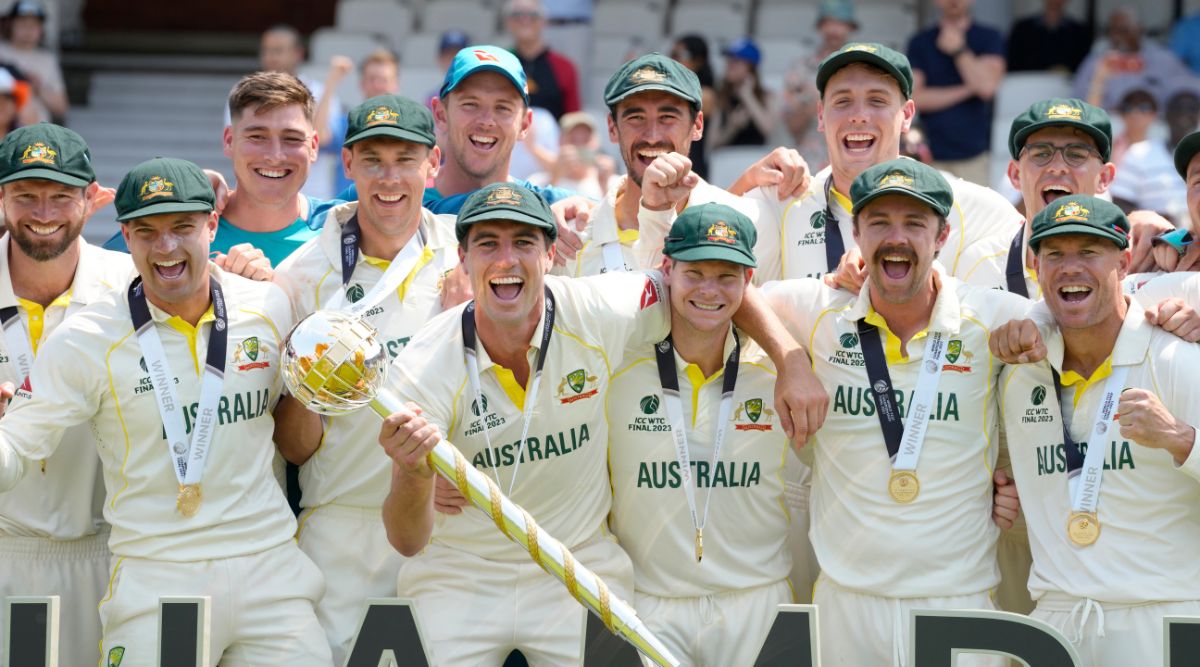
<point>903,486</point>
<point>188,501</point>
<point>1083,528</point>
<point>699,544</point>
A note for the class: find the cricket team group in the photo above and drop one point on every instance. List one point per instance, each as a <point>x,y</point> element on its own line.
<point>878,387</point>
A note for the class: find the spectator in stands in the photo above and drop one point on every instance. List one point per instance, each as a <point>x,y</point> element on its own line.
<point>23,47</point>
<point>1146,177</point>
<point>1051,40</point>
<point>538,150</point>
<point>580,166</point>
<point>569,30</point>
<point>835,24</point>
<point>798,111</point>
<point>1185,41</point>
<point>553,80</point>
<point>957,67</point>
<point>1127,59</point>
<point>745,109</point>
<point>378,74</point>
<point>691,51</point>
<point>449,45</point>
<point>1183,110</point>
<point>13,96</point>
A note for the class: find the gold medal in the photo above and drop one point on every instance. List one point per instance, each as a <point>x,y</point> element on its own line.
<point>188,501</point>
<point>1083,528</point>
<point>699,544</point>
<point>903,486</point>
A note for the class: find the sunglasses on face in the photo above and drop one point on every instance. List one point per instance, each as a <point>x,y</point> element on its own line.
<point>1075,155</point>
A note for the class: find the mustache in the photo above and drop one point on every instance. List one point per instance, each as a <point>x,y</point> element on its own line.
<point>906,251</point>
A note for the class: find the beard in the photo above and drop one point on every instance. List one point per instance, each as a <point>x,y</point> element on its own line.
<point>43,250</point>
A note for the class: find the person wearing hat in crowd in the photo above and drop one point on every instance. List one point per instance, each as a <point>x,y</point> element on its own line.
<point>702,516</point>
<point>1176,250</point>
<point>553,78</point>
<point>53,536</point>
<point>745,113</point>
<point>517,380</point>
<point>400,255</point>
<point>902,495</point>
<point>865,106</point>
<point>187,464</point>
<point>449,44</point>
<point>835,23</point>
<point>24,47</point>
<point>957,67</point>
<point>1103,441</point>
<point>580,166</point>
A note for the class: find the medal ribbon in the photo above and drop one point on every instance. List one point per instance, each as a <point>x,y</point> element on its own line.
<point>468,334</point>
<point>188,458</point>
<point>904,441</point>
<point>668,379</point>
<point>1085,495</point>
<point>16,339</point>
<point>834,247</point>
<point>410,258</point>
<point>613,259</point>
<point>1014,272</point>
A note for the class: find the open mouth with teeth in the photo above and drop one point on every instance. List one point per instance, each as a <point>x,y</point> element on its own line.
<point>706,307</point>
<point>896,265</point>
<point>483,142</point>
<point>858,142</point>
<point>647,154</point>
<point>273,174</point>
<point>506,288</point>
<point>43,230</point>
<point>171,269</point>
<point>1074,293</point>
<point>389,199</point>
<point>1052,192</point>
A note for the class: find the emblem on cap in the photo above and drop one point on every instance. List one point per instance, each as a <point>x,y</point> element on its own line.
<point>1071,211</point>
<point>647,75</point>
<point>38,152</point>
<point>382,114</point>
<point>1064,112</point>
<point>896,179</point>
<point>860,47</point>
<point>503,196</point>
<point>484,56</point>
<point>157,186</point>
<point>721,232</point>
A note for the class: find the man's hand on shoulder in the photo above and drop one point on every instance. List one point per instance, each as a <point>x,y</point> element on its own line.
<point>572,215</point>
<point>783,167</point>
<point>1017,342</point>
<point>246,261</point>
<point>851,272</point>
<point>1176,317</point>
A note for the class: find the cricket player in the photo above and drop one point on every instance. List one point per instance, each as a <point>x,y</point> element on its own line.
<point>1103,444</point>
<point>866,105</point>
<point>701,513</point>
<point>388,258</point>
<point>53,536</point>
<point>176,374</point>
<point>902,498</point>
<point>1182,254</point>
<point>517,380</point>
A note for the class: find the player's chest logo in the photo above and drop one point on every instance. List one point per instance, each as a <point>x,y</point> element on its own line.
<point>958,358</point>
<point>577,385</point>
<point>250,354</point>
<point>753,415</point>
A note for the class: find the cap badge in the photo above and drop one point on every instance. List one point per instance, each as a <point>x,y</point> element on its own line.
<point>1071,211</point>
<point>896,179</point>
<point>860,47</point>
<point>38,152</point>
<point>721,232</point>
<point>157,186</point>
<point>501,196</point>
<point>647,75</point>
<point>484,56</point>
<point>382,114</point>
<point>1064,112</point>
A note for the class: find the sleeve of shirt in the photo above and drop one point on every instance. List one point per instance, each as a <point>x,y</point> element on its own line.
<point>116,242</point>
<point>916,51</point>
<point>630,309</point>
<point>797,303</point>
<point>988,42</point>
<point>415,376</point>
<point>653,227</point>
<point>318,209</point>
<point>551,193</point>
<point>1191,465</point>
<point>63,390</point>
<point>768,251</point>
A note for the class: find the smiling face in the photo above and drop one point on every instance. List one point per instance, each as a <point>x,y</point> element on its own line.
<point>863,114</point>
<point>1040,185</point>
<point>271,151</point>
<point>170,252</point>
<point>44,217</point>
<point>507,263</point>
<point>379,78</point>
<point>705,294</point>
<point>646,125</point>
<point>390,175</point>
<point>1080,276</point>
<point>899,238</point>
<point>481,120</point>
